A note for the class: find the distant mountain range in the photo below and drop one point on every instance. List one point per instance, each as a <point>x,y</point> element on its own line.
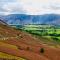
<point>22,19</point>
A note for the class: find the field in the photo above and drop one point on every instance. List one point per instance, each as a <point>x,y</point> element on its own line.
<point>51,32</point>
<point>17,44</point>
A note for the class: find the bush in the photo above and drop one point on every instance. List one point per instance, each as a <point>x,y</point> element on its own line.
<point>42,50</point>
<point>19,47</point>
<point>55,38</point>
<point>28,48</point>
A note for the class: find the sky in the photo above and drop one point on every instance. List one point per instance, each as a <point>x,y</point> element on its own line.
<point>30,7</point>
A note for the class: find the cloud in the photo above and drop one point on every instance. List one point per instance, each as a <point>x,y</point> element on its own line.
<point>14,8</point>
<point>41,6</point>
<point>7,0</point>
<point>32,7</point>
<point>2,4</point>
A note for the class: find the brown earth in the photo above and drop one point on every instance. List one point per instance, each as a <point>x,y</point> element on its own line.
<point>27,46</point>
<point>22,53</point>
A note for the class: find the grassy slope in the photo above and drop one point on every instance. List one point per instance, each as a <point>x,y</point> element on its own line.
<point>11,49</point>
<point>7,56</point>
<point>50,40</point>
<point>24,41</point>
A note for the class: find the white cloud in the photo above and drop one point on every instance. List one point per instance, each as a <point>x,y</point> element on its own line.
<point>7,0</point>
<point>13,8</point>
<point>33,6</point>
<point>41,6</point>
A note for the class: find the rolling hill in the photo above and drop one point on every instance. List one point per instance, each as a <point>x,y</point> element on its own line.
<point>23,46</point>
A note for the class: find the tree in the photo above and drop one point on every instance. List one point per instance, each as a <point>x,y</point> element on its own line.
<point>42,50</point>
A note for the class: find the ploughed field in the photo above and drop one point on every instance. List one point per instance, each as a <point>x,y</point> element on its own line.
<point>19,45</point>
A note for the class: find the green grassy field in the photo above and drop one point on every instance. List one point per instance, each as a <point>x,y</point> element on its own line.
<point>47,31</point>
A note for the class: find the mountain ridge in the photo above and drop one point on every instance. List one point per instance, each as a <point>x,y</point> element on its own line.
<point>31,19</point>
<point>3,22</point>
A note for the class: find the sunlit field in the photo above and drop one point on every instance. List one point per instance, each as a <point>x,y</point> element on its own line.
<point>9,57</point>
<point>46,31</point>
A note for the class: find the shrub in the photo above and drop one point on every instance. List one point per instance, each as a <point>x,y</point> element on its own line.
<point>28,48</point>
<point>42,50</point>
<point>55,38</point>
<point>19,47</point>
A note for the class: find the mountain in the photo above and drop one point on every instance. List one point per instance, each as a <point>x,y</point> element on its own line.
<point>3,22</point>
<point>32,19</point>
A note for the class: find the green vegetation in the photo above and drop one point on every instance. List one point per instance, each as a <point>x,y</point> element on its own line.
<point>51,32</point>
<point>46,31</point>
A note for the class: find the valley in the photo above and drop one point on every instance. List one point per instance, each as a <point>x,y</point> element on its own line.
<point>50,32</point>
